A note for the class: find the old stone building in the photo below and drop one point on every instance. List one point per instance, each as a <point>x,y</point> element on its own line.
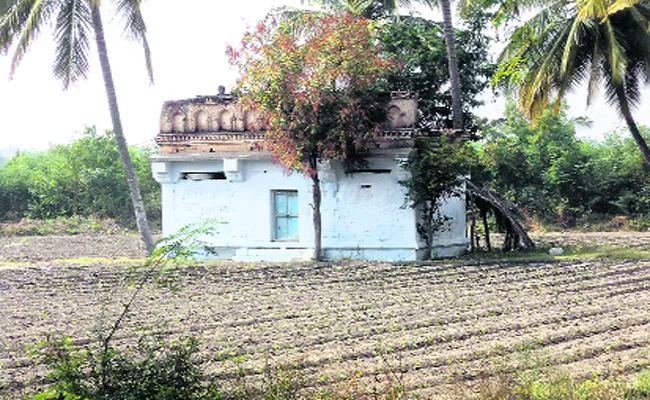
<point>212,165</point>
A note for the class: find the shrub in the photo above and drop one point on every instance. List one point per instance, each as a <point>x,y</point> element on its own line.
<point>155,370</point>
<point>83,178</point>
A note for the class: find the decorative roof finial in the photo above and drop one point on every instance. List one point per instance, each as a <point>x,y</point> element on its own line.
<point>222,89</point>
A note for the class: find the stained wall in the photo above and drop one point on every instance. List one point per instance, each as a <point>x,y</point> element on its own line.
<point>363,214</point>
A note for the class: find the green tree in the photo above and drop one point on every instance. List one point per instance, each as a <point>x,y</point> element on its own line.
<point>318,91</point>
<point>623,183</point>
<point>438,167</point>
<point>381,8</point>
<point>75,21</point>
<point>418,46</point>
<point>452,57</point>
<point>544,168</point>
<point>603,43</point>
<point>83,178</point>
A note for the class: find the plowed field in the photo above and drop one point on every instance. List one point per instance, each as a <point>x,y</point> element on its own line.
<point>446,325</point>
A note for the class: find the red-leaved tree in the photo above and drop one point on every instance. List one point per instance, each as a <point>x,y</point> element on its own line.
<point>317,85</point>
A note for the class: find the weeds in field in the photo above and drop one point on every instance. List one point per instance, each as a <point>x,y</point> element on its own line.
<point>570,253</point>
<point>289,381</point>
<point>158,372</point>
<point>561,386</point>
<point>159,266</point>
<point>62,226</point>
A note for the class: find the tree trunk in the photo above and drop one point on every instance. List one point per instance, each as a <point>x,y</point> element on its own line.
<point>316,198</point>
<point>452,59</point>
<point>510,218</point>
<point>429,215</point>
<point>471,206</point>
<point>317,217</point>
<point>472,230</point>
<point>631,125</point>
<point>486,228</point>
<point>134,189</point>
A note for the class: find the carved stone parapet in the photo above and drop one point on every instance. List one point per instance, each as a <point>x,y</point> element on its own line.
<point>213,124</point>
<point>210,142</point>
<point>223,113</point>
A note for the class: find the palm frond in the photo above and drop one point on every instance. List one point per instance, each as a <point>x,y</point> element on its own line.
<point>539,44</point>
<point>134,26</point>
<point>572,42</point>
<point>72,35</point>
<point>595,74</point>
<point>575,61</point>
<point>292,18</point>
<point>632,85</point>
<point>620,5</point>
<point>639,39</point>
<point>542,78</point>
<point>359,7</point>
<point>611,88</point>
<point>11,20</point>
<point>26,24</point>
<point>592,9</point>
<point>615,52</point>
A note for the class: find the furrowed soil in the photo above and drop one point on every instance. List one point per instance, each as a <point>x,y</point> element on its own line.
<point>440,328</point>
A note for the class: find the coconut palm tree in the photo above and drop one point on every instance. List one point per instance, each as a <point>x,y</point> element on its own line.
<point>74,21</point>
<point>602,43</point>
<point>380,8</point>
<point>452,59</point>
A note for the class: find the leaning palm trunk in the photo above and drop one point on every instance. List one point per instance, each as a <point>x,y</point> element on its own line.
<point>132,181</point>
<point>631,124</point>
<point>452,59</point>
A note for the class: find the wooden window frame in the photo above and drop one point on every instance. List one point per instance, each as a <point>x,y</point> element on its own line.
<point>286,216</point>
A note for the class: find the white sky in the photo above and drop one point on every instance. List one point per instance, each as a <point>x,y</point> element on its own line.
<point>188,44</point>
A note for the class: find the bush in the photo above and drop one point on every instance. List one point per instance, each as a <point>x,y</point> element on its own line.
<point>155,370</point>
<point>84,178</point>
<point>559,178</point>
<point>535,386</point>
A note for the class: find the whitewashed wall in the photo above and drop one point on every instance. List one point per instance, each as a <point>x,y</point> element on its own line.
<point>363,214</point>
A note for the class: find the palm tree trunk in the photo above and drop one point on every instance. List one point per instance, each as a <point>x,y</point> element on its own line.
<point>631,124</point>
<point>134,189</point>
<point>452,59</point>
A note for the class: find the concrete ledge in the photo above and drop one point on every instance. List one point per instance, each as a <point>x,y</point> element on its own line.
<point>258,254</point>
<point>370,254</point>
<point>447,250</point>
<point>272,255</point>
<point>283,255</point>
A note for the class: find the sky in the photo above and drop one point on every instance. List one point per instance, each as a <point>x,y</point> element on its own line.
<point>188,46</point>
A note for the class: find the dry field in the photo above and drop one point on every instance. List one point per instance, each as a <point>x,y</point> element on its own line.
<point>445,325</point>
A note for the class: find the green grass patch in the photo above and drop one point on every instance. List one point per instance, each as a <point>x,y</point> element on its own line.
<point>570,253</point>
<point>67,226</point>
<point>536,386</point>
